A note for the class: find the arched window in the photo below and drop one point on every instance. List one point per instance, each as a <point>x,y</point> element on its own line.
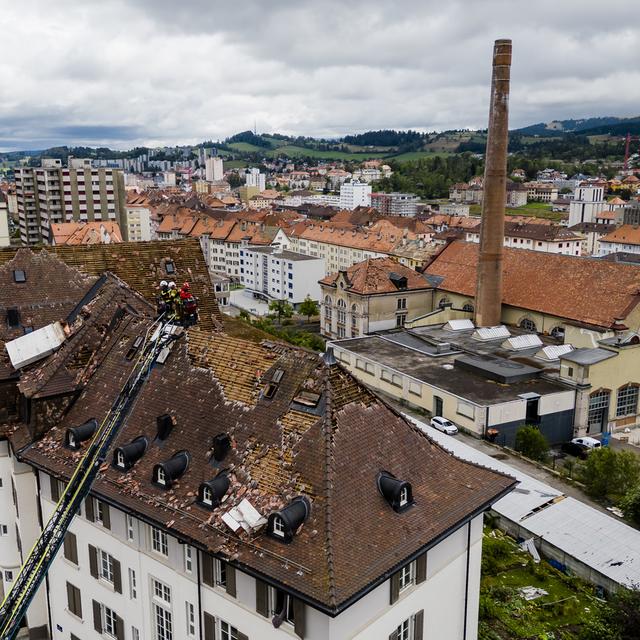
<point>528,325</point>
<point>598,410</point>
<point>627,401</point>
<point>354,320</point>
<point>342,313</point>
<point>557,332</point>
<point>468,307</point>
<point>444,302</point>
<point>327,308</point>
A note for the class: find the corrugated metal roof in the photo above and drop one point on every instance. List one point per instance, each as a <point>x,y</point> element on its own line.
<point>525,341</point>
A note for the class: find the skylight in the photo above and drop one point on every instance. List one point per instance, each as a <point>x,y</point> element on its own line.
<point>459,325</point>
<point>19,275</point>
<point>169,267</point>
<point>491,333</point>
<point>519,343</point>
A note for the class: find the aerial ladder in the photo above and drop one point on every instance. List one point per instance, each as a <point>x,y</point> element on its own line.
<point>41,556</point>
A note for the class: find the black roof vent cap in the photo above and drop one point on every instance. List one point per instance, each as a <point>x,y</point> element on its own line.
<point>211,493</point>
<point>283,525</point>
<point>126,456</point>
<point>166,473</point>
<point>221,446</point>
<point>397,493</point>
<point>76,435</point>
<point>165,425</point>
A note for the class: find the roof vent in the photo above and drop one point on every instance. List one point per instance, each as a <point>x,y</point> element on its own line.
<point>399,281</point>
<point>283,525</point>
<point>19,276</point>
<point>221,446</point>
<point>396,492</point>
<point>166,473</point>
<point>329,357</point>
<point>76,435</point>
<point>211,493</point>
<point>165,424</point>
<point>126,456</point>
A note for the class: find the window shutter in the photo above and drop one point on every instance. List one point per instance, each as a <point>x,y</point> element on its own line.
<point>55,489</point>
<point>394,635</point>
<point>207,570</point>
<point>117,576</point>
<point>231,580</point>
<point>119,628</point>
<point>70,598</point>
<point>71,547</point>
<point>395,587</point>
<point>299,611</point>
<point>88,509</point>
<point>106,516</point>
<point>421,568</point>
<point>97,616</point>
<point>93,561</point>
<point>209,627</point>
<point>262,598</point>
<point>418,625</point>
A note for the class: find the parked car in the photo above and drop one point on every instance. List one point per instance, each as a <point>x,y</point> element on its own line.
<point>586,441</point>
<point>444,425</point>
<point>575,449</point>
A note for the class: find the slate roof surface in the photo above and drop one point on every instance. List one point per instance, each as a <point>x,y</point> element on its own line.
<point>539,281</point>
<point>142,266</point>
<point>331,453</point>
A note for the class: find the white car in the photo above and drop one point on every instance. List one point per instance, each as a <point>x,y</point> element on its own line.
<point>589,443</point>
<point>444,425</point>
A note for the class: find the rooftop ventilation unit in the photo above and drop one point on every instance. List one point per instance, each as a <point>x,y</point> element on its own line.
<point>244,516</point>
<point>520,343</point>
<point>396,492</point>
<point>459,325</point>
<point>36,345</point>
<point>75,436</point>
<point>212,493</point>
<point>554,352</point>
<point>284,524</point>
<point>166,473</point>
<point>165,425</point>
<point>126,456</point>
<point>485,334</point>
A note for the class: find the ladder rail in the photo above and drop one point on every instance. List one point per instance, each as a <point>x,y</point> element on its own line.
<point>46,547</point>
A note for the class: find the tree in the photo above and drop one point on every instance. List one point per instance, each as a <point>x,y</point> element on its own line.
<point>234,180</point>
<point>309,308</point>
<point>630,505</point>
<point>616,619</point>
<point>531,443</point>
<point>610,473</point>
<point>281,308</point>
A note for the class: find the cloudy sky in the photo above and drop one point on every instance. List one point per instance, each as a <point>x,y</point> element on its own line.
<point>127,72</point>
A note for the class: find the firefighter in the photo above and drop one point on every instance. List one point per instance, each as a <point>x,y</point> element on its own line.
<point>185,292</point>
<point>189,305</point>
<point>174,299</point>
<point>163,297</point>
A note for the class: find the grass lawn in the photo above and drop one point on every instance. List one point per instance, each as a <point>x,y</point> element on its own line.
<point>506,615</point>
<point>246,146</point>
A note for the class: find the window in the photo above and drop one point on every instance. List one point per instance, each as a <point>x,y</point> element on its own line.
<point>278,527</point>
<point>404,630</point>
<point>169,267</point>
<point>342,313</point>
<point>161,591</point>
<point>3,530</point>
<point>130,527</point>
<point>528,325</point>
<point>161,478</point>
<point>105,565</point>
<point>598,411</point>
<point>415,388</point>
<point>163,623</point>
<point>627,401</point>
<point>159,542</point>
<point>207,495</point>
<point>227,632</point>
<point>120,459</point>
<point>109,621</point>
<point>401,318</point>
<point>191,619</point>
<point>404,496</point>
<point>74,600</point>
<point>220,573</point>
<point>570,372</point>
<point>281,605</point>
<point>468,307</point>
<point>188,558</point>
<point>401,303</point>
<point>19,276</point>
<point>102,513</point>
<point>8,576</point>
<point>407,573</point>
<point>135,634</point>
<point>133,587</point>
<point>327,308</point>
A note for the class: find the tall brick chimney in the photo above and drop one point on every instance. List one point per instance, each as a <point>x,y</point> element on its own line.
<point>489,285</point>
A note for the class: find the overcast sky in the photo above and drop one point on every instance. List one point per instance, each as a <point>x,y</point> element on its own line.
<point>127,72</point>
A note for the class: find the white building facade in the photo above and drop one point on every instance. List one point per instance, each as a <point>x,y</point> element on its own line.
<point>253,178</point>
<point>355,194</point>
<point>214,169</point>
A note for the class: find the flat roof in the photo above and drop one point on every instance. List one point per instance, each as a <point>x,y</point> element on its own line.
<point>421,365</point>
<point>588,356</point>
<point>284,254</point>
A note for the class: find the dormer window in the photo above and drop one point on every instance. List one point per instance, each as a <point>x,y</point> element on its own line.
<point>212,493</point>
<point>284,524</point>
<point>278,527</point>
<point>120,458</point>
<point>126,456</point>
<point>397,493</point>
<point>207,496</point>
<point>166,473</point>
<point>160,476</point>
<point>75,436</point>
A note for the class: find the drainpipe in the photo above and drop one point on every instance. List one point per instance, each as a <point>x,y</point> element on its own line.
<point>466,585</point>
<point>200,619</point>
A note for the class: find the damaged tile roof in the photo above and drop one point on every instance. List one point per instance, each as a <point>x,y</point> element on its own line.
<point>605,293</point>
<point>320,434</point>
<point>142,265</point>
<point>372,276</point>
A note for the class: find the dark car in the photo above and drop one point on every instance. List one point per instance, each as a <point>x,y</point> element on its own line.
<point>575,449</point>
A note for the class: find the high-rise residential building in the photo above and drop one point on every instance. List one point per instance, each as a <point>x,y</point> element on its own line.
<point>214,169</point>
<point>5,239</point>
<point>588,200</point>
<point>52,193</point>
<point>355,194</point>
<point>395,204</point>
<point>253,178</point>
